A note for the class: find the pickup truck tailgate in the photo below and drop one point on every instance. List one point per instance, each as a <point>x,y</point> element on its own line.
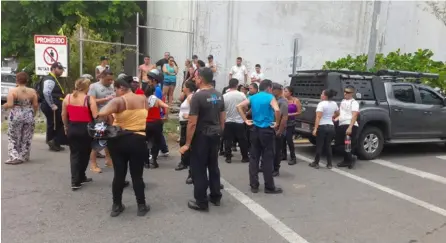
<point>306,119</point>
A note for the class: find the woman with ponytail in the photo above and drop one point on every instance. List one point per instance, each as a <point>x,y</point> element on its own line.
<point>79,109</point>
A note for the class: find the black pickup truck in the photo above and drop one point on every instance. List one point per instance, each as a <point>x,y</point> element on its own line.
<point>395,108</point>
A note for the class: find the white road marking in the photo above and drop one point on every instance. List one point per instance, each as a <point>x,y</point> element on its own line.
<point>410,170</point>
<point>392,192</point>
<point>283,230</point>
<point>441,157</point>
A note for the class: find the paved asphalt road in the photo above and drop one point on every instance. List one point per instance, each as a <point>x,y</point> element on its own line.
<point>400,198</point>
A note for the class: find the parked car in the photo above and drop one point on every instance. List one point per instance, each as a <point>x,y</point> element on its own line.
<point>393,109</point>
<point>7,82</point>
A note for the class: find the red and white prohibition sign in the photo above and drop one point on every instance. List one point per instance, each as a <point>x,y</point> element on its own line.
<point>50,55</point>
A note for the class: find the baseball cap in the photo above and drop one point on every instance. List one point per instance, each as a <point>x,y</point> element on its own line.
<point>210,56</point>
<point>57,65</point>
<point>103,58</point>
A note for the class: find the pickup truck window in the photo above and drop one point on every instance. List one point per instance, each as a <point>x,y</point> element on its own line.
<point>404,93</point>
<point>430,98</point>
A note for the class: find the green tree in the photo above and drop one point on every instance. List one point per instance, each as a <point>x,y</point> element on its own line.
<point>21,20</point>
<point>419,61</point>
<point>438,8</point>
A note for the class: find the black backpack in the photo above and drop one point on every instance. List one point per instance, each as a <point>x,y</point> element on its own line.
<point>38,86</point>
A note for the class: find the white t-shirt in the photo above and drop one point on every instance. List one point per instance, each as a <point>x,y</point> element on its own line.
<point>256,75</point>
<point>232,98</point>
<point>215,65</point>
<point>346,111</point>
<point>328,108</point>
<point>239,73</point>
<point>151,101</point>
<point>101,68</point>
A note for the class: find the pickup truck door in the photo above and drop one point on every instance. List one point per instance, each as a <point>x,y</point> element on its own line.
<point>434,114</point>
<point>308,115</point>
<point>405,113</point>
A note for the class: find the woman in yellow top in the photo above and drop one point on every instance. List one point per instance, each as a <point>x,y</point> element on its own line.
<point>130,148</point>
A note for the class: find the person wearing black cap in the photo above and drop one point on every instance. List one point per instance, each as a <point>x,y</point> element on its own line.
<point>51,106</point>
<point>101,68</point>
<point>205,125</point>
<point>265,118</point>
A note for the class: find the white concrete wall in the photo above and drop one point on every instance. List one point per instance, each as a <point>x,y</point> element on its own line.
<point>175,16</point>
<point>263,32</point>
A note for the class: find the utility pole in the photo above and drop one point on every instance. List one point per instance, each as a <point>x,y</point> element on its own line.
<point>373,35</point>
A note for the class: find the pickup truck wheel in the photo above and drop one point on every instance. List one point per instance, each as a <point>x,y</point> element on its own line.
<point>370,143</point>
<point>312,140</point>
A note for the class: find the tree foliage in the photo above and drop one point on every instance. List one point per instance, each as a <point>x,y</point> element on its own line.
<point>419,61</point>
<point>438,8</point>
<point>21,20</point>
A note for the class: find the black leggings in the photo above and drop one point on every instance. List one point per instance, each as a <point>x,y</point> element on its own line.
<point>185,158</point>
<point>288,140</point>
<point>324,137</point>
<point>128,151</point>
<point>154,133</point>
<point>80,149</point>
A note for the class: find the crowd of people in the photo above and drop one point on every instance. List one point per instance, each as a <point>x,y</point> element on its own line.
<point>259,118</point>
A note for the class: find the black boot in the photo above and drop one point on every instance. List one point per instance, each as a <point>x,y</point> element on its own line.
<point>189,178</point>
<point>117,209</point>
<point>154,164</point>
<point>143,209</point>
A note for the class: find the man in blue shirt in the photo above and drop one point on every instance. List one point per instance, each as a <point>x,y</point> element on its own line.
<point>265,117</point>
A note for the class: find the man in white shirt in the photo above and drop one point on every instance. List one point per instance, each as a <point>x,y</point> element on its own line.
<point>257,76</point>
<point>195,62</point>
<point>234,124</point>
<point>213,66</point>
<point>239,72</point>
<point>101,68</point>
<point>348,126</point>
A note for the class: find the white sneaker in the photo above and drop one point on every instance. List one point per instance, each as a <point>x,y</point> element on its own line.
<point>164,154</point>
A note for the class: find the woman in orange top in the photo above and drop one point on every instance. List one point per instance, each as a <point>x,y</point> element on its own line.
<point>130,148</point>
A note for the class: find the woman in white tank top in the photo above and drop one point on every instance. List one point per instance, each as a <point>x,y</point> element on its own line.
<point>188,90</point>
<point>324,129</point>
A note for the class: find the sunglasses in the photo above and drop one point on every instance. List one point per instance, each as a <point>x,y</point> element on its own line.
<point>347,92</point>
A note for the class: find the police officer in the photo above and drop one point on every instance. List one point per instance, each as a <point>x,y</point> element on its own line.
<point>265,118</point>
<point>51,106</point>
<point>205,125</point>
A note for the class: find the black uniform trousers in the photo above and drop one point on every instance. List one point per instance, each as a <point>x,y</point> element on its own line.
<point>185,158</point>
<point>278,151</point>
<point>54,125</point>
<point>340,141</point>
<point>154,134</point>
<point>324,137</point>
<point>262,146</point>
<point>235,132</point>
<point>128,151</point>
<point>204,158</point>
<point>80,148</point>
